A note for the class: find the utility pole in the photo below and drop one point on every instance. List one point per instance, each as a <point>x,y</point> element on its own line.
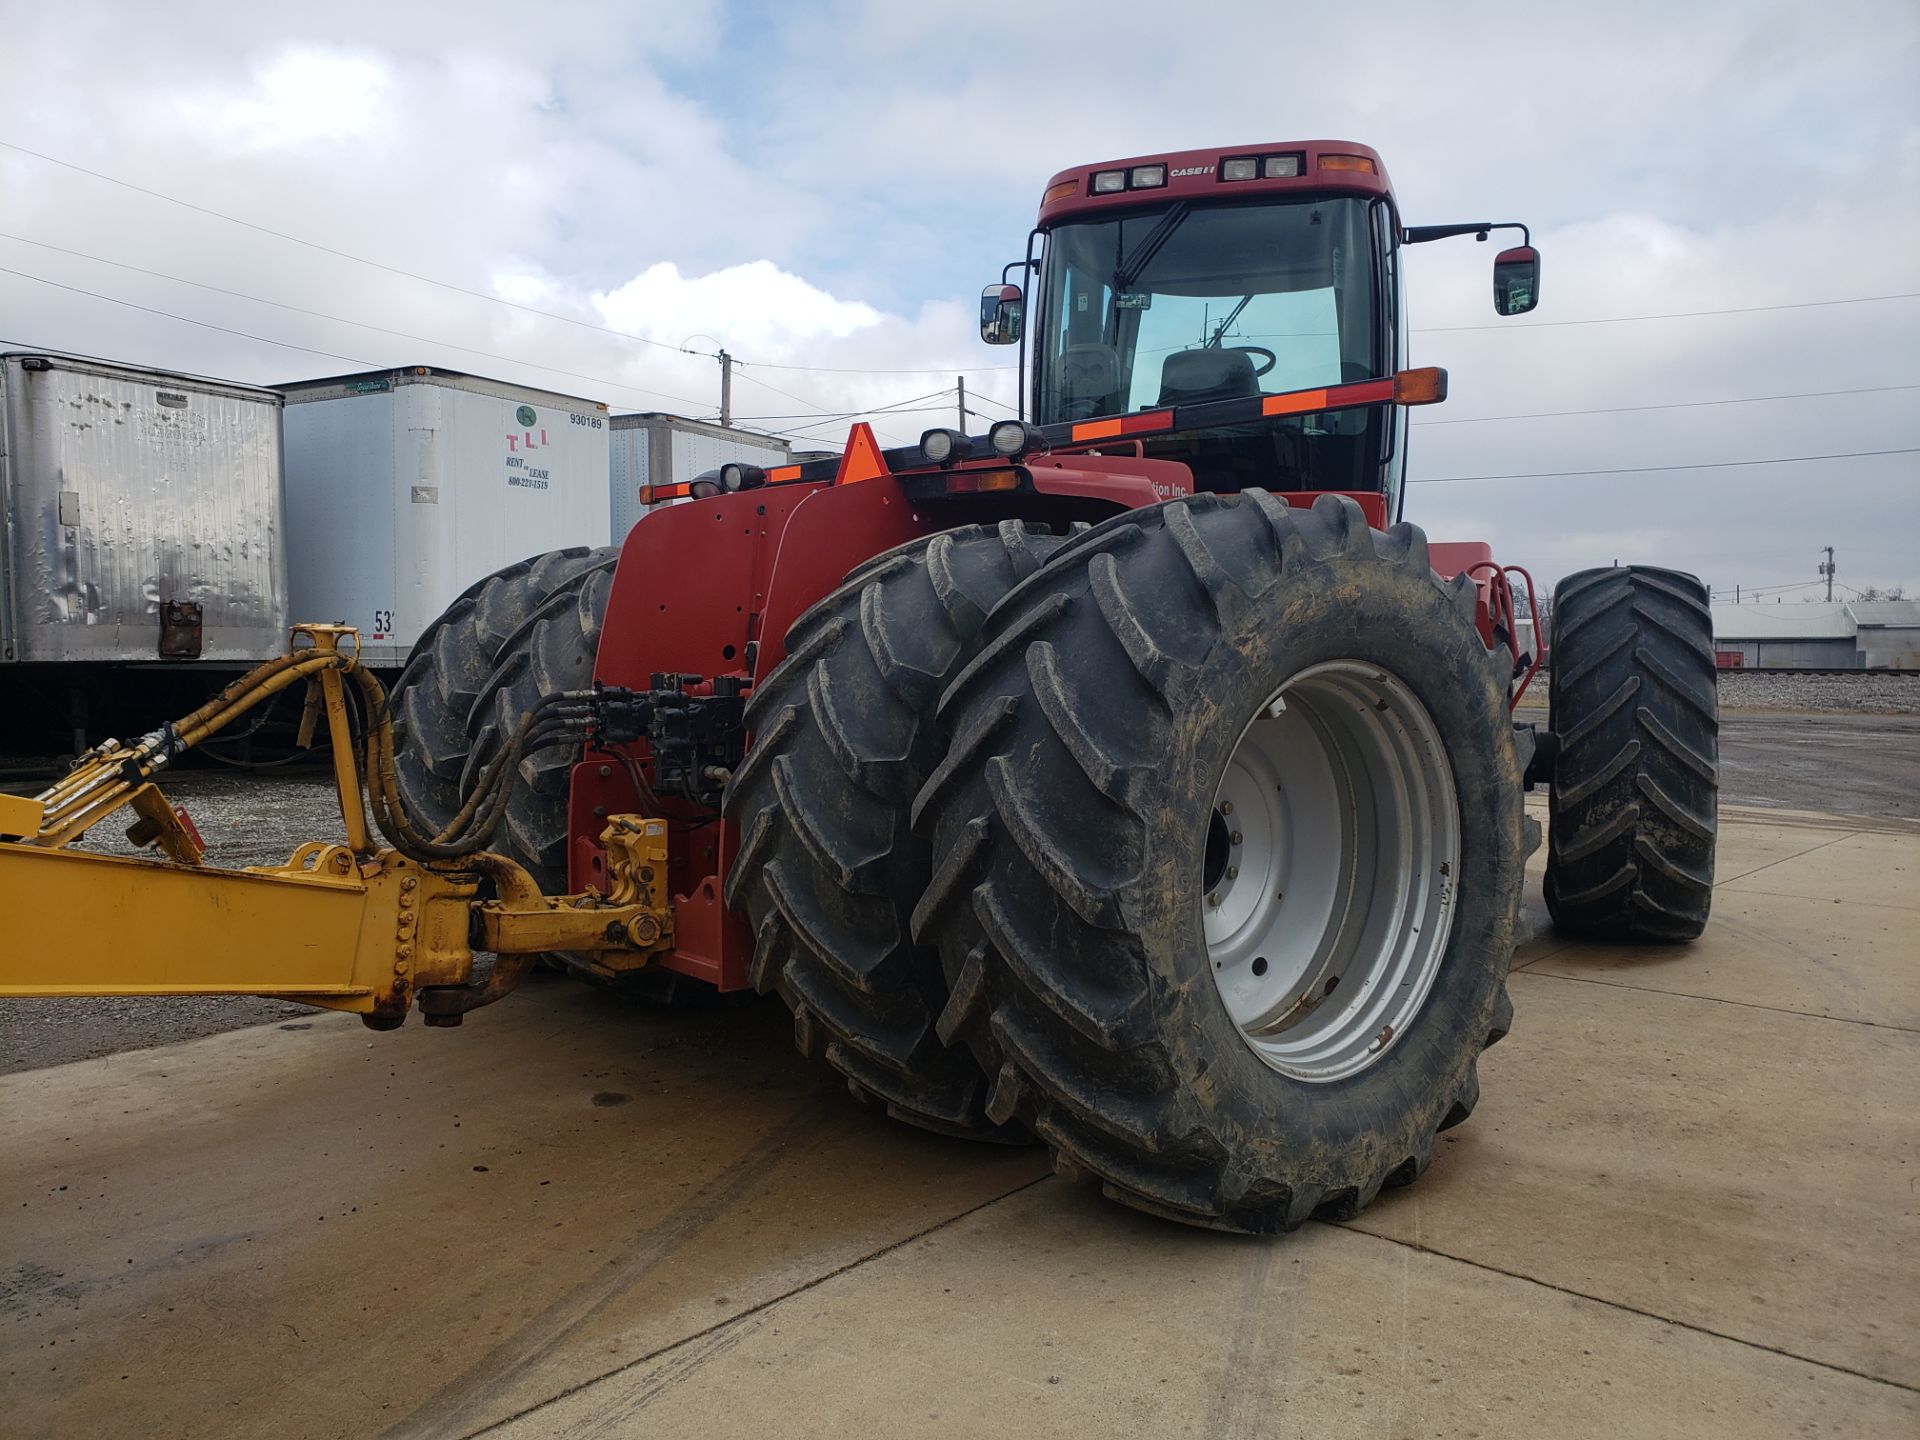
<point>1827,570</point>
<point>726,388</point>
<point>960,382</point>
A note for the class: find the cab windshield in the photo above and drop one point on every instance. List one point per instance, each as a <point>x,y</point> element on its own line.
<point>1189,303</point>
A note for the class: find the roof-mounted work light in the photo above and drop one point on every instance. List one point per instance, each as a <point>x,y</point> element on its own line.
<point>1011,439</point>
<point>945,447</point>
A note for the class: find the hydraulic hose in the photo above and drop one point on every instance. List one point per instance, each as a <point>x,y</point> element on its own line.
<point>558,719</point>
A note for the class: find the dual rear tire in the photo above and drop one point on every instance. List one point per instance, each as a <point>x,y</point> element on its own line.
<point>524,632</point>
<point>1239,1050</point>
<point>844,735</point>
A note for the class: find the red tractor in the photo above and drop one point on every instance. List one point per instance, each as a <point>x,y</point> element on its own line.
<point>1131,776</point>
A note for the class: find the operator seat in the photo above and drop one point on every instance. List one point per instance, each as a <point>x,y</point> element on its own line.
<point>1090,378</point>
<point>1190,376</point>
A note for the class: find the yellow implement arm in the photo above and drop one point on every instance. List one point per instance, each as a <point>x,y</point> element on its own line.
<point>349,927</point>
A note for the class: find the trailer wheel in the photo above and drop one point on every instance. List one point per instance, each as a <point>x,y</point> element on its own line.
<point>1228,851</point>
<point>828,870</point>
<point>521,633</point>
<point>1635,709</point>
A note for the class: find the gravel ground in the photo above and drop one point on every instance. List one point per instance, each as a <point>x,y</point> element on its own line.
<point>1789,690</point>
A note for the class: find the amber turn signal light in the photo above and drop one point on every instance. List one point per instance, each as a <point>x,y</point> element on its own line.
<point>976,482</point>
<point>1427,386</point>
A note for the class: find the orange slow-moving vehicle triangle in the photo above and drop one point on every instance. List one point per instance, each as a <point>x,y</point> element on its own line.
<point>862,459</point>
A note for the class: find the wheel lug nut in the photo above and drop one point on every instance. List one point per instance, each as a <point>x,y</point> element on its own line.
<point>1226,807</point>
<point>1233,872</point>
<point>1213,899</point>
<point>1236,837</point>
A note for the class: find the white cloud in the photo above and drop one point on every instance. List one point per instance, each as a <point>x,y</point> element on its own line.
<point>756,306</point>
<point>298,98</point>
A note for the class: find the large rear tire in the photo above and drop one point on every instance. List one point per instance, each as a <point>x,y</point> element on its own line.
<point>1155,1018</point>
<point>1635,711</point>
<point>828,870</point>
<point>523,632</point>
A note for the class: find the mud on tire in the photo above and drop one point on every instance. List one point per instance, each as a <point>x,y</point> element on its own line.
<point>1634,707</point>
<point>1070,823</point>
<point>523,632</point>
<point>843,737</point>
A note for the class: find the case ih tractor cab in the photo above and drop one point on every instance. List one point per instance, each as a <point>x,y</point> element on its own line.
<point>1130,776</point>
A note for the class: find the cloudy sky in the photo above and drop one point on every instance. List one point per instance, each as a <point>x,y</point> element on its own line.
<point>280,192</point>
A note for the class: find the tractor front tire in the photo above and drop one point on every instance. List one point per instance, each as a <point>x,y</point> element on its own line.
<point>1634,707</point>
<point>1228,854</point>
<point>828,870</point>
<point>523,632</point>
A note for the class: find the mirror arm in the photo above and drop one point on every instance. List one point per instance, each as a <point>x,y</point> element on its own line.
<point>1421,234</point>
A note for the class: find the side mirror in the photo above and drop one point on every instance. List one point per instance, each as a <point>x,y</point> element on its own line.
<point>1516,280</point>
<point>1002,309</point>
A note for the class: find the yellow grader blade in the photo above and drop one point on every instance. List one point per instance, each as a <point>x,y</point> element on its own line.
<point>348,927</point>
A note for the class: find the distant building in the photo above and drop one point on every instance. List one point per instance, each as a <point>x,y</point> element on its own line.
<point>1833,635</point>
<point>1889,632</point>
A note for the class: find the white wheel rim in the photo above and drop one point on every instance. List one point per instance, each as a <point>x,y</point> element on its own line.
<point>1332,868</point>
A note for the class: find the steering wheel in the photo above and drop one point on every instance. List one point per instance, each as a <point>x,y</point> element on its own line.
<point>1272,359</point>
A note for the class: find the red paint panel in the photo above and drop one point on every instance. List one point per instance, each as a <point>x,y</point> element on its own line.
<point>1122,481</point>
<point>710,942</point>
<point>694,585</point>
<point>833,530</point>
<point>1451,557</point>
<point>690,580</point>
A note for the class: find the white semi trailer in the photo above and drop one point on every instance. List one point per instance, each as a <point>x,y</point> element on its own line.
<point>657,449</point>
<point>406,486</point>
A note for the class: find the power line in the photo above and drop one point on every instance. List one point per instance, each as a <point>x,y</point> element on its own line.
<point>324,315</point>
<point>331,250</point>
<point>1651,469</point>
<point>989,400</point>
<point>826,415</point>
<point>1767,589</point>
<point>1456,329</point>
<point>818,407</point>
<point>458,289</point>
<point>186,319</point>
<point>1667,315</point>
<point>915,410</point>
<point>1674,405</point>
<point>857,370</point>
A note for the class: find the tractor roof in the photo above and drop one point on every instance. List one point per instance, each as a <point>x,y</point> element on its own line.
<point>1310,166</point>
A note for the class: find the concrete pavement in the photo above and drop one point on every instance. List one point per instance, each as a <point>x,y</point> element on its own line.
<point>1686,1206</point>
